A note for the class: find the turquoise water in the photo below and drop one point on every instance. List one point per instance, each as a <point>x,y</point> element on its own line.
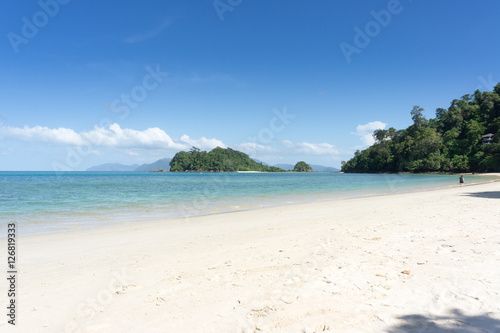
<point>41,201</point>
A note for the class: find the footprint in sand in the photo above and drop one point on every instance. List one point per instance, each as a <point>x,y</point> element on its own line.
<point>158,301</point>
<point>124,289</point>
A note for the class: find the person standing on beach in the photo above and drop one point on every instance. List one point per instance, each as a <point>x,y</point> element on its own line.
<point>462,181</point>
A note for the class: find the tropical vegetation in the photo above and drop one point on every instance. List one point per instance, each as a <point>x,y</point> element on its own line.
<point>302,167</point>
<point>453,141</point>
<point>217,160</point>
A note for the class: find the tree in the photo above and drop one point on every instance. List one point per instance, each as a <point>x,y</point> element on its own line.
<point>417,116</point>
<point>450,142</point>
<point>302,167</point>
<point>217,160</point>
<point>460,163</point>
<point>391,133</point>
<point>440,112</point>
<point>380,135</point>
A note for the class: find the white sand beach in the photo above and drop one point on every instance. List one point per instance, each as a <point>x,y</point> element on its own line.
<point>415,262</point>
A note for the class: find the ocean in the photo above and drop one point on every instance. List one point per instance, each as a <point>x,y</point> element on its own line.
<point>48,201</point>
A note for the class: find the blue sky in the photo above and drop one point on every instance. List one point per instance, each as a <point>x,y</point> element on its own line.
<point>131,82</point>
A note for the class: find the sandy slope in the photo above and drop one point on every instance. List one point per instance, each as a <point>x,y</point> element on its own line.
<point>320,267</point>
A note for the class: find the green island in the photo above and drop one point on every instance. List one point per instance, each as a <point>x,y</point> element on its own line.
<point>217,160</point>
<point>463,138</point>
<point>302,167</point>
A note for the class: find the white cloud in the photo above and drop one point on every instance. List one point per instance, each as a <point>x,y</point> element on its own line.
<point>366,131</point>
<point>311,148</point>
<point>136,38</point>
<point>7,151</point>
<point>254,148</point>
<point>288,144</point>
<point>113,137</point>
<point>317,148</point>
<point>203,143</point>
<point>42,134</point>
<point>116,137</point>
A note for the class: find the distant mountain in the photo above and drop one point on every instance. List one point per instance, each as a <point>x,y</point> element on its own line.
<point>162,164</point>
<point>113,167</point>
<point>322,168</point>
<point>315,168</point>
<point>285,166</point>
<point>263,163</point>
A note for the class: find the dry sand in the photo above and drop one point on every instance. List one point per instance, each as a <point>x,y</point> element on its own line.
<point>318,267</point>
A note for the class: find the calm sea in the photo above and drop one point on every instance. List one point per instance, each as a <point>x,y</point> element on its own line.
<point>46,201</point>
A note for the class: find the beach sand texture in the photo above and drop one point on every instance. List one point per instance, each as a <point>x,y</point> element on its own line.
<point>414,262</point>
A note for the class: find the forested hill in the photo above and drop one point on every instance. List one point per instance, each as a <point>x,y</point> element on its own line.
<point>454,141</point>
<point>217,160</point>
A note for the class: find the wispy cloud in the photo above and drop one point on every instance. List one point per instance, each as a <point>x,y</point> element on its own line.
<point>365,132</point>
<point>202,143</point>
<point>288,144</point>
<point>317,148</point>
<point>288,147</point>
<point>204,78</point>
<point>311,148</point>
<point>7,152</point>
<point>112,137</point>
<point>253,148</point>
<point>139,37</point>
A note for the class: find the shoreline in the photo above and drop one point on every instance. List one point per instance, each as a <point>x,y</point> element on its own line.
<point>156,217</point>
<point>443,173</point>
<point>135,217</point>
<point>335,265</point>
